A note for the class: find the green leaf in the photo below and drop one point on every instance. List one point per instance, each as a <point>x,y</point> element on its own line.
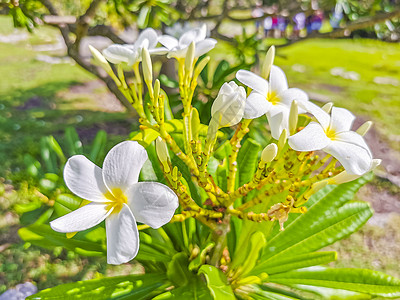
<point>48,156</point>
<point>357,280</point>
<point>32,165</point>
<point>319,228</point>
<point>145,137</point>
<point>98,146</point>
<point>247,160</point>
<point>43,236</point>
<point>195,290</point>
<point>217,283</point>
<point>65,203</point>
<point>55,146</point>
<point>245,263</point>
<point>178,271</point>
<point>295,262</point>
<point>132,286</point>
<point>329,199</point>
<point>73,143</point>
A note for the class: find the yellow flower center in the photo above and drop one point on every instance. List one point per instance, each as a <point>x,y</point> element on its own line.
<point>273,98</point>
<point>118,199</point>
<point>331,134</point>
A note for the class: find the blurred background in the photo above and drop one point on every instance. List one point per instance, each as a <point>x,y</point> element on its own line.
<point>55,103</point>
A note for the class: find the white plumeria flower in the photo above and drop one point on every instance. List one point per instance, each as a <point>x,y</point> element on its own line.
<point>333,135</point>
<point>178,48</point>
<point>272,98</point>
<point>131,54</point>
<point>229,106</point>
<point>117,197</point>
<point>344,177</point>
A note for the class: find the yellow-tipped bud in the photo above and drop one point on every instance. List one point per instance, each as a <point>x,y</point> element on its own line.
<point>364,128</point>
<point>147,66</point>
<point>200,66</point>
<point>282,139</point>
<point>190,58</point>
<point>327,107</point>
<point>156,89</point>
<point>268,62</point>
<point>100,59</point>
<point>315,188</point>
<point>293,117</point>
<point>162,153</point>
<point>269,153</point>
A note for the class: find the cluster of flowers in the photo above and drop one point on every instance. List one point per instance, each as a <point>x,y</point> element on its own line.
<point>114,192</point>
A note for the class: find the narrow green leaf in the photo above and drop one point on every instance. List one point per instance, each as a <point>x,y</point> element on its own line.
<point>317,230</point>
<point>247,160</point>
<point>217,283</point>
<point>357,280</point>
<point>131,286</point>
<point>295,262</point>
<point>98,146</point>
<point>42,235</point>
<point>73,143</point>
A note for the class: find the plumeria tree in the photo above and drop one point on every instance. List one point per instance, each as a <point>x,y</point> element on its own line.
<point>222,215</point>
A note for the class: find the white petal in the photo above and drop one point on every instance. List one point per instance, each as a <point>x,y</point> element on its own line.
<point>85,179</point>
<point>256,106</point>
<point>322,117</point>
<point>168,41</point>
<point>177,52</point>
<point>341,119</point>
<point>311,138</point>
<point>355,159</point>
<point>122,237</point>
<point>150,35</point>
<point>117,54</point>
<point>203,47</point>
<point>253,81</point>
<point>158,51</point>
<point>352,137</point>
<point>83,218</point>
<point>195,35</point>
<point>152,203</point>
<point>278,119</point>
<point>291,94</point>
<point>277,80</point>
<point>122,165</point>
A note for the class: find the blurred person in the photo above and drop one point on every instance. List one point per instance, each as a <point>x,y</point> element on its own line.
<point>282,24</point>
<point>257,13</point>
<point>299,20</point>
<point>267,25</point>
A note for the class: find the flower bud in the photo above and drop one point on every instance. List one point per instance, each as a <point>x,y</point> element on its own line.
<point>228,107</point>
<point>282,139</point>
<point>315,188</point>
<point>189,58</point>
<point>327,107</point>
<point>156,89</point>
<point>293,117</point>
<point>268,61</point>
<point>162,153</point>
<point>100,59</point>
<point>269,153</point>
<point>200,66</point>
<point>364,128</point>
<point>147,66</point>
